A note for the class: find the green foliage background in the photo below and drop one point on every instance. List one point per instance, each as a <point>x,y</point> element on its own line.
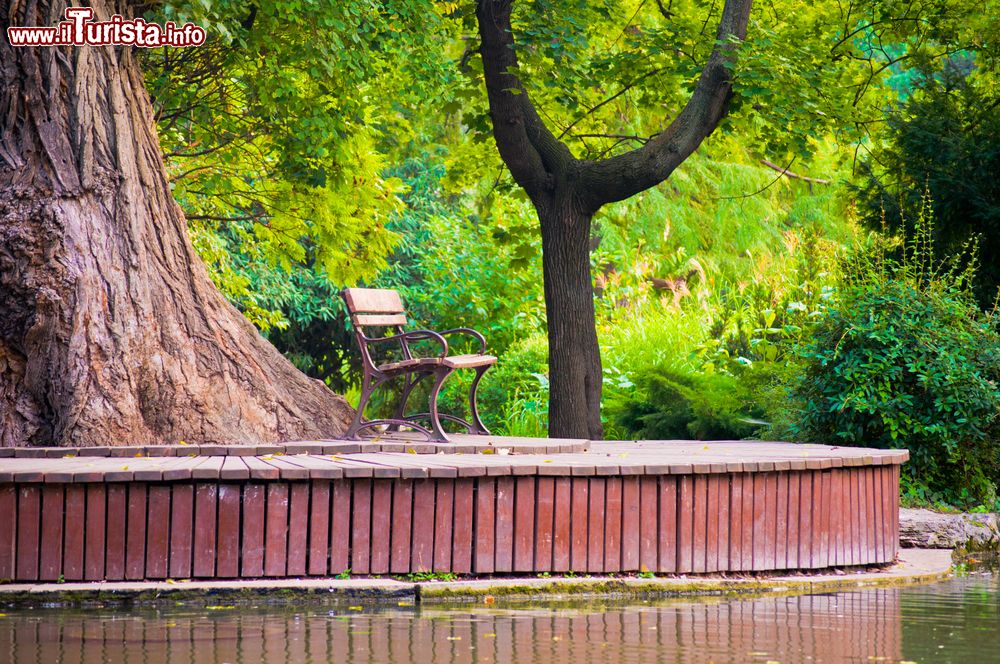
<point>320,145</point>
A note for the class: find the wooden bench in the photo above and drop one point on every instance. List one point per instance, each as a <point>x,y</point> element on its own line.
<point>383,309</point>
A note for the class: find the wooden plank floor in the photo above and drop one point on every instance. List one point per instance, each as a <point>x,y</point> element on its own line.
<point>603,459</point>
<point>660,506</point>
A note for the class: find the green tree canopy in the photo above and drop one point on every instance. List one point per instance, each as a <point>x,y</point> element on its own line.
<point>275,133</point>
<point>943,147</point>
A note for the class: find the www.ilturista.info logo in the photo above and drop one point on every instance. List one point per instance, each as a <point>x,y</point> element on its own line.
<point>79,30</point>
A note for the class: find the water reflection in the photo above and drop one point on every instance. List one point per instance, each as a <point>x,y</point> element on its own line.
<point>874,625</point>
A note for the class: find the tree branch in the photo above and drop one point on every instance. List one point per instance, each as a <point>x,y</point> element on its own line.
<point>625,175</point>
<point>212,217</point>
<point>787,173</point>
<point>781,171</point>
<point>608,100</point>
<point>623,137</point>
<point>532,153</point>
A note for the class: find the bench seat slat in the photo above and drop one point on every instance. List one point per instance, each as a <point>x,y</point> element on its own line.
<point>410,365</point>
<point>454,362</point>
<point>468,361</point>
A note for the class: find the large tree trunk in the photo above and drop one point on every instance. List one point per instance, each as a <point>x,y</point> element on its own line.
<point>574,355</point>
<point>110,330</point>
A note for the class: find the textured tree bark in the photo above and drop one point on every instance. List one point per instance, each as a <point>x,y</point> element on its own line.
<point>567,192</point>
<point>574,356</point>
<point>111,332</point>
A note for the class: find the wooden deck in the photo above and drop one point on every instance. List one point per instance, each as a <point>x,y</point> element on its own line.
<point>525,506</point>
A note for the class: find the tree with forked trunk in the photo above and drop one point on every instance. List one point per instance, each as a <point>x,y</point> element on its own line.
<point>110,330</point>
<point>566,193</point>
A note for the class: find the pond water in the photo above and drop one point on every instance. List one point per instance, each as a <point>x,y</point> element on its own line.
<point>951,621</point>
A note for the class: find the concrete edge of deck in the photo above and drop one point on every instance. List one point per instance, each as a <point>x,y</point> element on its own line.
<point>914,566</point>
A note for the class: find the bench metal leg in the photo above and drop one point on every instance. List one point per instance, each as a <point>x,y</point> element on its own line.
<point>367,388</point>
<point>409,383</point>
<point>477,424</point>
<point>435,432</point>
<point>359,423</point>
<point>440,375</point>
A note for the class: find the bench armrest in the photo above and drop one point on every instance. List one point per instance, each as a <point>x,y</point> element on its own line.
<point>472,333</point>
<point>413,335</point>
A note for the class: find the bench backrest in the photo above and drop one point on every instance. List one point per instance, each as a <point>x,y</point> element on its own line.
<point>375,307</point>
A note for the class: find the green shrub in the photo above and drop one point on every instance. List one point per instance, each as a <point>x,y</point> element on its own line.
<point>514,395</point>
<point>763,320</point>
<point>656,385</point>
<point>904,358</point>
<point>674,405</point>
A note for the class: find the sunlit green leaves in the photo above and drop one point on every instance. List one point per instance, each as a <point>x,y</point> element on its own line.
<point>275,131</point>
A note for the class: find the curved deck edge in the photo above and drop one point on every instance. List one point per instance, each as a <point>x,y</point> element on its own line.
<point>681,507</point>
